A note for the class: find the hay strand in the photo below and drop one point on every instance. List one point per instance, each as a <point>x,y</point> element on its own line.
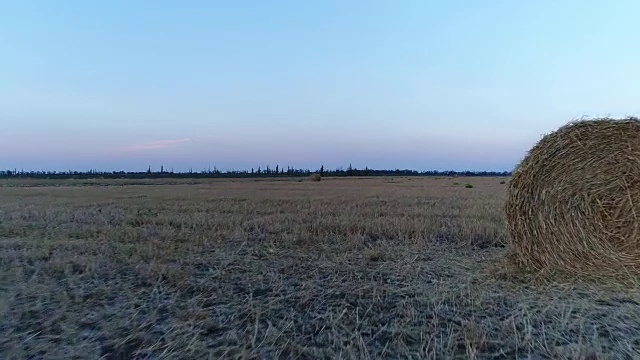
<point>573,202</point>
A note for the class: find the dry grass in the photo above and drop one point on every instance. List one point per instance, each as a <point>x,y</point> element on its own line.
<point>574,201</point>
<point>315,177</point>
<point>345,268</point>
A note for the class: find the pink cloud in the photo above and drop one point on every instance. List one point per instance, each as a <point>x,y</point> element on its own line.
<point>152,145</point>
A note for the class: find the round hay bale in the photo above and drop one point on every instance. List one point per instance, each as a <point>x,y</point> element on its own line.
<point>573,202</point>
<point>315,177</point>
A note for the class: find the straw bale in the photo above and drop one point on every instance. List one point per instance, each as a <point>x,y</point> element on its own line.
<point>573,202</point>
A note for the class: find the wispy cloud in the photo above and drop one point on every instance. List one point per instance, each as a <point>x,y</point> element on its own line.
<point>152,145</point>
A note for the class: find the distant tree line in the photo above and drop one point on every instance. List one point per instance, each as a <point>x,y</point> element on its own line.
<point>258,172</point>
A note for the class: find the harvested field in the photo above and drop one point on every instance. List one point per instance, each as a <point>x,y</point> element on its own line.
<point>279,269</point>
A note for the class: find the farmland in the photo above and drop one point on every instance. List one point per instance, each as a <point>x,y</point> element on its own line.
<point>384,267</point>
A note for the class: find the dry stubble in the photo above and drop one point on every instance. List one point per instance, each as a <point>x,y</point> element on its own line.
<point>344,268</point>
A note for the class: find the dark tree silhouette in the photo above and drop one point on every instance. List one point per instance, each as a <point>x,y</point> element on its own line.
<point>216,173</point>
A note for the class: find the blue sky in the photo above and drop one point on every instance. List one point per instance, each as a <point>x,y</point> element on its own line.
<point>408,84</point>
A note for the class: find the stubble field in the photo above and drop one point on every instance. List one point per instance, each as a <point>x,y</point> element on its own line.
<point>358,268</point>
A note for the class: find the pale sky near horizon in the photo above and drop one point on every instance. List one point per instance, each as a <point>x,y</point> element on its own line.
<point>385,84</point>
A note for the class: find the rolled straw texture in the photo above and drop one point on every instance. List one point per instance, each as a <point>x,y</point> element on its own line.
<point>573,202</point>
